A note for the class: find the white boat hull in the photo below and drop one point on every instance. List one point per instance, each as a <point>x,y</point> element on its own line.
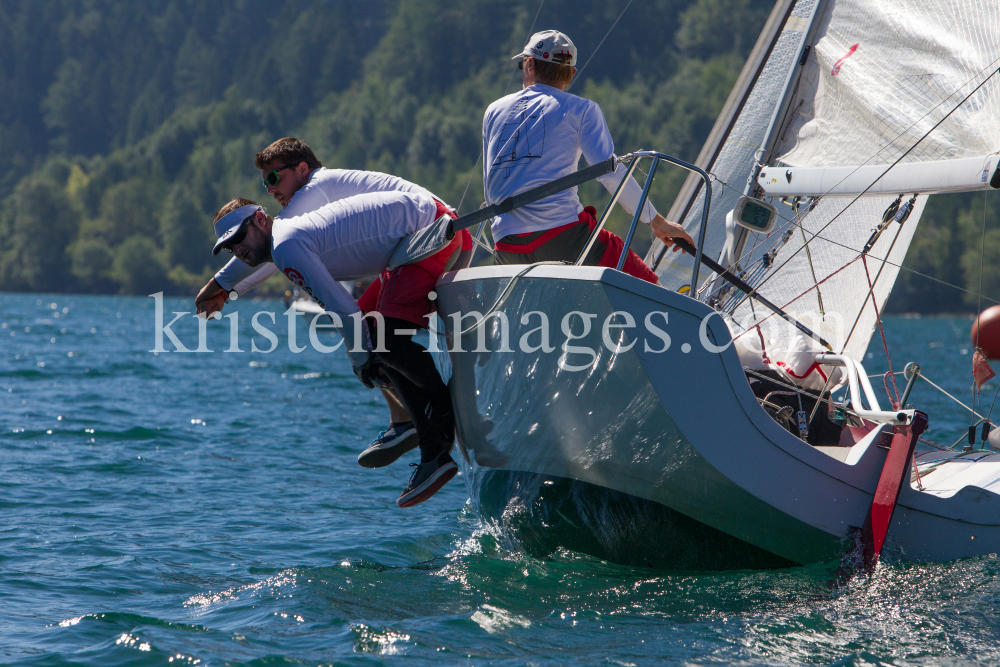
<point>675,430</point>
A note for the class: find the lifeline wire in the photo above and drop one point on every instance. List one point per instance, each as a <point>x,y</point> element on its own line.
<point>924,378</point>
<point>799,390</point>
<point>928,381</point>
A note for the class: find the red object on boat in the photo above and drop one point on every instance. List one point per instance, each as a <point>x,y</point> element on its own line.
<point>895,473</point>
<point>982,372</point>
<point>988,327</point>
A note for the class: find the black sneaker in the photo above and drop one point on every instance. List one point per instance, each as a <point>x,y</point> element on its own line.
<point>427,479</point>
<point>389,445</point>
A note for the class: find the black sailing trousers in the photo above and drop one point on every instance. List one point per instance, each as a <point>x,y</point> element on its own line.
<point>419,387</point>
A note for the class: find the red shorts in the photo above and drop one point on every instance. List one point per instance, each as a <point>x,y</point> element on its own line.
<point>565,243</point>
<point>402,292</point>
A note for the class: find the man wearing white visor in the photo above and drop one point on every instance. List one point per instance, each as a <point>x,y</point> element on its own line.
<point>345,240</point>
<point>297,180</point>
<point>538,135</point>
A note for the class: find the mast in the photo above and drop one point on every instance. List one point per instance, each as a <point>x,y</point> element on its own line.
<point>780,119</point>
<point>727,117</point>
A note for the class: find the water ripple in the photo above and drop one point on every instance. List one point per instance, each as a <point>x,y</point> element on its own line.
<point>207,509</point>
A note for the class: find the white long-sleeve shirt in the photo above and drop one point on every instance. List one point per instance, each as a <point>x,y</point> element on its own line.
<point>345,240</point>
<point>535,136</point>
<point>324,186</point>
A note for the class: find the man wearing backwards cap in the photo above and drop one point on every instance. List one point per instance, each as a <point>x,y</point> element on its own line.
<point>536,136</point>
<point>297,180</point>
<point>345,240</point>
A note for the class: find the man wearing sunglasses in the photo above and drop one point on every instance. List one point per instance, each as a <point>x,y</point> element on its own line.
<point>344,240</point>
<point>536,136</point>
<point>297,180</point>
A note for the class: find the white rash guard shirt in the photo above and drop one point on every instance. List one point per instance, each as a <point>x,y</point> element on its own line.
<point>345,240</point>
<point>324,186</point>
<point>535,136</point>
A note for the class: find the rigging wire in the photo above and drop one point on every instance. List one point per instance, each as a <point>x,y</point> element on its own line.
<point>878,318</point>
<point>883,260</point>
<point>812,269</point>
<point>871,292</point>
<point>990,413</point>
<point>898,160</point>
<point>599,44</point>
<point>900,134</point>
<point>509,81</point>
<point>979,309</point>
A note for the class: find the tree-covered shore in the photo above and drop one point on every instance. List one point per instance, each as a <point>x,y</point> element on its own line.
<point>125,126</point>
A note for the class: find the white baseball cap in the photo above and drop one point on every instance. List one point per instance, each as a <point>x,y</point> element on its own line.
<point>548,44</point>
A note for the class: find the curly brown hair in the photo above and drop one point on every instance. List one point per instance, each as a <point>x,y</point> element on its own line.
<point>288,150</point>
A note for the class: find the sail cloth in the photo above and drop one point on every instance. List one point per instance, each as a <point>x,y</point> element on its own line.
<point>843,280</point>
<point>735,160</point>
<point>880,74</point>
<point>885,72</point>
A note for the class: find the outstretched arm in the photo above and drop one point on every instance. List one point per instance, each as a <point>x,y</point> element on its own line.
<point>211,299</point>
<point>595,140</point>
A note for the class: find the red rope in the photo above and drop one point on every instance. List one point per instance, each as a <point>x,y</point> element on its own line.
<point>878,318</point>
<point>917,473</point>
<point>885,383</point>
<point>763,352</point>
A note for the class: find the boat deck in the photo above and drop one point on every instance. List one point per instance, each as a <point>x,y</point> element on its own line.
<point>945,473</point>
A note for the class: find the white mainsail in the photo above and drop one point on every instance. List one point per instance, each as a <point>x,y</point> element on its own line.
<point>880,74</point>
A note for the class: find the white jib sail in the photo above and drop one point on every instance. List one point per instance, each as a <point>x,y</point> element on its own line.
<point>880,75</point>
<point>735,160</point>
<point>884,72</point>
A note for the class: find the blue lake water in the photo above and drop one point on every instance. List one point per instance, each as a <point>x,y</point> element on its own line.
<point>180,509</point>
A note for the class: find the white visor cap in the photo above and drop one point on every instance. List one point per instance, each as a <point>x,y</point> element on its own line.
<point>228,224</point>
<point>551,46</point>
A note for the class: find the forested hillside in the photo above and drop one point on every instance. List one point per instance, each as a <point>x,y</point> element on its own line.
<point>126,125</point>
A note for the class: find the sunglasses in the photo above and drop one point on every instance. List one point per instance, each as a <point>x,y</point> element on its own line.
<point>238,237</point>
<point>272,178</point>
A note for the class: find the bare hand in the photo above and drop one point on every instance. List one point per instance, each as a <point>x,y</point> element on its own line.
<point>210,299</point>
<point>666,231</point>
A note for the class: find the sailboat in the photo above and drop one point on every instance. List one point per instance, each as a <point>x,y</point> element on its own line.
<point>688,425</point>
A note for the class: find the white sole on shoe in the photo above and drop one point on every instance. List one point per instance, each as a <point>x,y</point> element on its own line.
<point>379,455</point>
<point>431,486</point>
